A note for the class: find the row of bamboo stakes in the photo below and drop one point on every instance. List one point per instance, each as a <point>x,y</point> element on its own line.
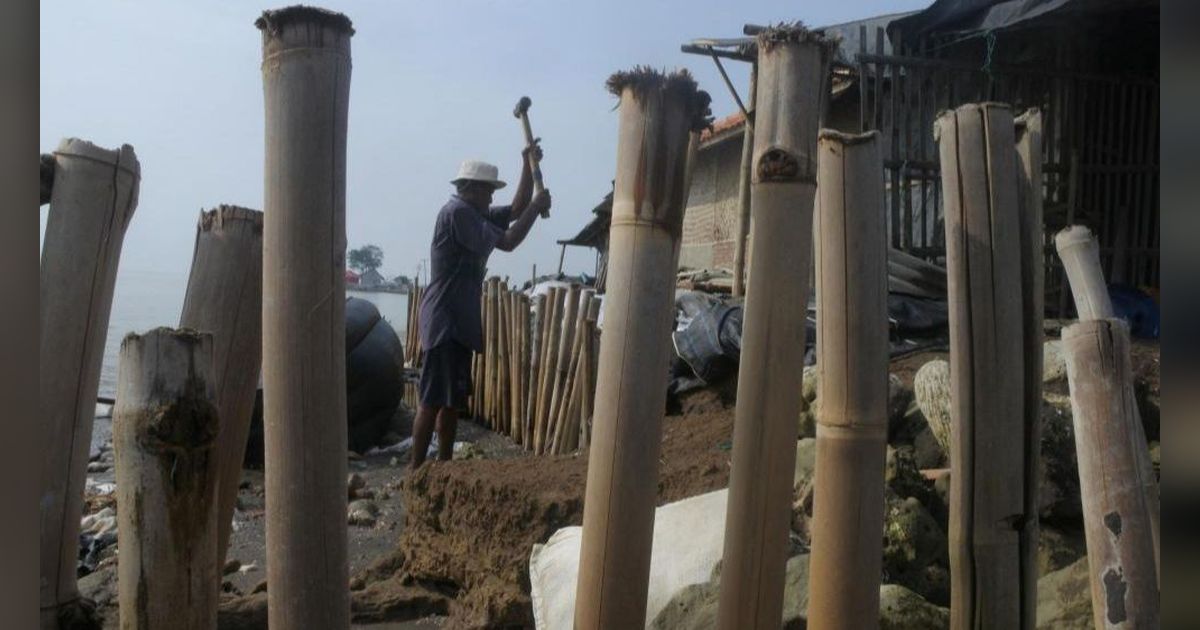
<point>535,380</point>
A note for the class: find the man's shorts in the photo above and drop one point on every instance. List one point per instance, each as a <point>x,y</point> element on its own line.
<point>446,375</point>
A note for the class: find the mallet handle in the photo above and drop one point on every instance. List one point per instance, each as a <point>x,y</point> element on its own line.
<point>534,165</point>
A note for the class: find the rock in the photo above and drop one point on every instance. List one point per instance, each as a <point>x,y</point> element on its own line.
<point>354,484</point>
<point>899,398</point>
<point>695,607</point>
<point>808,421</point>
<point>97,466</point>
<point>927,451</point>
<point>99,523</point>
<point>100,586</point>
<point>1054,365</point>
<point>1058,486</point>
<point>941,488</point>
<point>248,568</point>
<point>1058,549</point>
<point>806,462</point>
<point>914,549</point>
<point>1065,598</point>
<point>903,477</point>
<point>231,566</point>
<point>902,609</point>
<point>809,384</point>
<point>1156,456</point>
<point>362,513</point>
<point>931,388</point>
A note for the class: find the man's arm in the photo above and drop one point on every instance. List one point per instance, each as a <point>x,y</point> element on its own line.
<point>525,185</point>
<point>519,228</point>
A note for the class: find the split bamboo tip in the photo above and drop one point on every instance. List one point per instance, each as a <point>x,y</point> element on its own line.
<point>184,334</point>
<point>272,21</point>
<point>1072,236</point>
<point>1089,327</point>
<point>124,157</point>
<point>795,33</point>
<point>842,137</point>
<point>215,218</point>
<point>947,116</point>
<point>1029,120</point>
<point>644,80</point>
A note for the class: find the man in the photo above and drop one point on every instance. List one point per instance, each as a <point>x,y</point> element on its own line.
<point>468,228</point>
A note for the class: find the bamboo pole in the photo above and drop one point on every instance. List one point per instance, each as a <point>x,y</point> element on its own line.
<point>852,383</point>
<point>489,352</point>
<point>94,196</point>
<point>306,81</point>
<point>535,369</point>
<point>1120,545</point>
<point>563,363</point>
<point>987,494</point>
<point>659,119</point>
<point>743,219</point>
<point>549,369</point>
<point>793,65</point>
<point>1033,270</point>
<point>224,298</point>
<point>568,391</point>
<point>165,425</point>
<point>502,358</point>
<point>1078,250</point>
<point>589,376</point>
<point>514,363</point>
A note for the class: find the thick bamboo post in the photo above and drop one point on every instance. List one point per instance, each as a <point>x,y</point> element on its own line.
<point>1033,271</point>
<point>514,363</point>
<point>1121,558</point>
<point>852,383</point>
<point>94,196</point>
<point>489,351</point>
<point>983,250</point>
<point>165,426</point>
<point>502,358</point>
<point>1080,255</point>
<point>224,298</point>
<point>743,219</point>
<point>793,65</point>
<point>306,80</point>
<point>589,376</point>
<point>535,368</point>
<point>658,119</point>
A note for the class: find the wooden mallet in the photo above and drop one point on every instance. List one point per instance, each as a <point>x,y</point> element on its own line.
<point>521,111</point>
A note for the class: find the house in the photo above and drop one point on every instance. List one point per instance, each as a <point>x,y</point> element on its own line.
<point>1090,67</point>
<point>372,279</point>
<point>595,236</point>
<point>352,278</point>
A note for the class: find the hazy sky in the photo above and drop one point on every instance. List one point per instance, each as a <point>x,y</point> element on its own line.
<point>433,83</point>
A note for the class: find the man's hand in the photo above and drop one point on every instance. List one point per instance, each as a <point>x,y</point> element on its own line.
<point>541,202</point>
<point>534,149</point>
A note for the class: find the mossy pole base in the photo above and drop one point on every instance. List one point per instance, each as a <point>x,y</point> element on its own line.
<point>306,85</point>
<point>793,65</point>
<point>165,426</point>
<point>94,196</point>
<point>983,262</point>
<point>224,298</point>
<point>1120,545</point>
<point>852,384</point>
<point>658,118</point>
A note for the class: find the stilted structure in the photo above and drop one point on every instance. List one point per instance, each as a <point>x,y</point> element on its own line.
<point>93,199</point>
<point>659,120</point>
<point>852,383</point>
<point>793,67</point>
<point>224,298</point>
<point>165,427</point>
<point>983,255</point>
<point>306,85</point>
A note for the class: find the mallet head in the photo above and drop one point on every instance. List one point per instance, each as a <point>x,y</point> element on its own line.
<point>522,106</point>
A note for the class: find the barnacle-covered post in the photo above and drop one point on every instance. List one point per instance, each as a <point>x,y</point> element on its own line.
<point>224,298</point>
<point>659,119</point>
<point>983,262</point>
<point>306,84</point>
<point>852,383</point>
<point>165,425</point>
<point>92,200</point>
<point>793,66</point>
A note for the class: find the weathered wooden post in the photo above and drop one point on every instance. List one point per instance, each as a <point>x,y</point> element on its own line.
<point>852,383</point>
<point>743,219</point>
<point>658,117</point>
<point>1120,545</point>
<point>165,426</point>
<point>983,255</point>
<point>94,196</point>
<point>224,298</point>
<point>792,67</point>
<point>1080,255</point>
<point>306,81</point>
<point>1033,272</point>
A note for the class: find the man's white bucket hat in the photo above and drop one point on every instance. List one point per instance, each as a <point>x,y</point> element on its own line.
<point>478,171</point>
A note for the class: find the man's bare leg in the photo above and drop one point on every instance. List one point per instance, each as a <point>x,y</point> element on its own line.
<point>447,428</point>
<point>423,433</point>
